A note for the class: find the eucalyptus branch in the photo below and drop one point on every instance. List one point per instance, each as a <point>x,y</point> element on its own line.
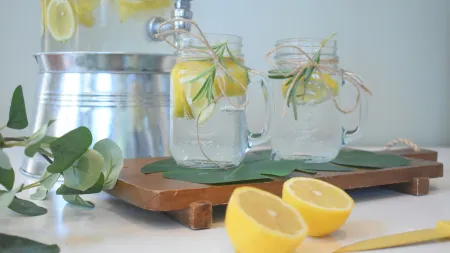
<point>46,155</point>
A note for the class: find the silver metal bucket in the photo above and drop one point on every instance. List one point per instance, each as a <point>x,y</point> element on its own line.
<point>124,97</point>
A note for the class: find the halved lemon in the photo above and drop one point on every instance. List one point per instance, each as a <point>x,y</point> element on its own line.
<point>257,221</point>
<point>61,21</point>
<point>316,89</point>
<point>323,206</point>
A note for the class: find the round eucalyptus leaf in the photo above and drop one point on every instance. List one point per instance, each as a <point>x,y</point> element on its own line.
<point>40,194</point>
<point>85,172</point>
<point>5,163</point>
<point>113,161</point>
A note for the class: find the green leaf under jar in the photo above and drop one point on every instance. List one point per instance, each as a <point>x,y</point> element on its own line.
<point>12,244</point>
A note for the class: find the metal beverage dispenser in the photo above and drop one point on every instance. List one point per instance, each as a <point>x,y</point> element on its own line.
<point>102,67</point>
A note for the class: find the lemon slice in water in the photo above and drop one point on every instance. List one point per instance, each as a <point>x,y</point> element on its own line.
<point>85,9</point>
<point>129,8</point>
<point>200,109</point>
<point>61,21</point>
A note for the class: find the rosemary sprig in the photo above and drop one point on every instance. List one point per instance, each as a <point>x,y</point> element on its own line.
<point>207,88</point>
<point>302,79</point>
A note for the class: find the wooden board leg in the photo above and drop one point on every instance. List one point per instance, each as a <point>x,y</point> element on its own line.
<point>197,216</point>
<point>418,187</point>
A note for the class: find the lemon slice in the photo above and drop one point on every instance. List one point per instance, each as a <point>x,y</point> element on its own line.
<point>128,8</point>
<point>200,109</point>
<point>43,18</point>
<point>230,87</point>
<point>257,221</point>
<point>85,9</point>
<point>316,89</point>
<point>61,21</point>
<point>323,206</point>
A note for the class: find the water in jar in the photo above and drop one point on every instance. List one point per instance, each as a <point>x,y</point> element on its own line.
<point>316,135</point>
<point>222,127</point>
<point>101,25</point>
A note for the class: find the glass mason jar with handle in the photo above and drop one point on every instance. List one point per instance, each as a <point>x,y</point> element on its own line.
<point>308,122</point>
<point>208,107</point>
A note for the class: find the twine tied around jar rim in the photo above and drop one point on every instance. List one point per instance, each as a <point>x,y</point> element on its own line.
<point>301,65</point>
<point>221,70</point>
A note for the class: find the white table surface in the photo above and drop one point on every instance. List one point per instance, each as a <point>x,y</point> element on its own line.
<point>115,226</point>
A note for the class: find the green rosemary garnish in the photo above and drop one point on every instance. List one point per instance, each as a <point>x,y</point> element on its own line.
<point>207,88</point>
<point>302,79</point>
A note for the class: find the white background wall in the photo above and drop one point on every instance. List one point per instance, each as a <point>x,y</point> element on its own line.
<point>400,47</point>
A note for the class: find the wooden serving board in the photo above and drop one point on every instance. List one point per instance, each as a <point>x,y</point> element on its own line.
<point>192,203</point>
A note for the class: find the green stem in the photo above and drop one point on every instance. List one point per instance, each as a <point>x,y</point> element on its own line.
<point>3,127</point>
<point>12,144</point>
<point>30,186</point>
<point>35,184</point>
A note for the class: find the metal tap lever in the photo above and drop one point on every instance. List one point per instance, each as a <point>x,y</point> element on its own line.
<point>182,9</point>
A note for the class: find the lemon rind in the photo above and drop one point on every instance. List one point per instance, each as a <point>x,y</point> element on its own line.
<point>349,207</point>
<point>299,234</point>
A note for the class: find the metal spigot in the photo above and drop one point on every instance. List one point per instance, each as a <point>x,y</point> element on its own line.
<point>182,9</point>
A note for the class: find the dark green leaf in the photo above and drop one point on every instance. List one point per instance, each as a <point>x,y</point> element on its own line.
<point>32,149</point>
<point>69,148</point>
<point>16,244</point>
<point>366,159</point>
<point>77,200</point>
<point>161,166</point>
<point>96,188</point>
<point>7,178</point>
<point>323,167</point>
<point>210,176</point>
<point>113,161</point>
<point>312,172</point>
<point>85,172</point>
<point>26,207</point>
<point>17,111</point>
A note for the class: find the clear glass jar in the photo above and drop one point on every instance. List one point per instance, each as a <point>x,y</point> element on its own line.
<point>222,125</point>
<point>101,25</point>
<point>312,127</point>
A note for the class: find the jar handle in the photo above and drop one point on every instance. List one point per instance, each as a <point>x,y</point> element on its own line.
<point>350,135</point>
<point>258,138</point>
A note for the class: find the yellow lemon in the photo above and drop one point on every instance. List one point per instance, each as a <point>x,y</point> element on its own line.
<point>323,206</point>
<point>128,8</point>
<point>43,17</point>
<point>257,221</point>
<point>229,86</point>
<point>61,20</point>
<point>184,92</point>
<point>85,9</point>
<point>316,89</point>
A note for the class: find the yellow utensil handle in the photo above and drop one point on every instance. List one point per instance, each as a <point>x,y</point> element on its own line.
<point>441,231</point>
